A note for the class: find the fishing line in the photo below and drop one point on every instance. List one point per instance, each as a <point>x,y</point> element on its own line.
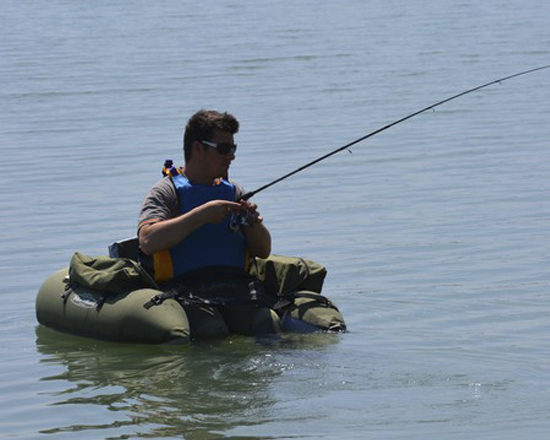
<point>250,194</point>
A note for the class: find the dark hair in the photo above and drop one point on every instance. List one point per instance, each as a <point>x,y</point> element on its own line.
<point>201,126</point>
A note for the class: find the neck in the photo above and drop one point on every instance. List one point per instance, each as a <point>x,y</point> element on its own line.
<point>195,175</point>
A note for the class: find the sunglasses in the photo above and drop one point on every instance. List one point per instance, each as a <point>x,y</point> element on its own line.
<point>222,148</point>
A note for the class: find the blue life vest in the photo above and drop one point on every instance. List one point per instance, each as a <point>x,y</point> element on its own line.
<point>213,244</point>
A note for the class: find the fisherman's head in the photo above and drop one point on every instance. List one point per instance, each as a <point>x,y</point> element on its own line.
<point>209,129</point>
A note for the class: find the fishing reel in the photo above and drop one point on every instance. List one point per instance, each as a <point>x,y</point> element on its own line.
<point>237,221</point>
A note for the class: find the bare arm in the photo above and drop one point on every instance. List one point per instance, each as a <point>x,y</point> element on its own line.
<point>257,236</point>
<point>258,240</point>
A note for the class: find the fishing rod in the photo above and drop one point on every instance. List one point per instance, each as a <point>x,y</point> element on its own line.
<point>250,194</point>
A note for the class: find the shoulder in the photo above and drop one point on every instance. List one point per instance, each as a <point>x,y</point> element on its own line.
<point>161,202</point>
<point>163,191</point>
<point>239,190</point>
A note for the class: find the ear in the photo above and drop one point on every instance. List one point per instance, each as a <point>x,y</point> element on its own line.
<point>197,149</point>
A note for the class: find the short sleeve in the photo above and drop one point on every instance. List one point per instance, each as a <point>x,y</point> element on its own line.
<point>161,203</point>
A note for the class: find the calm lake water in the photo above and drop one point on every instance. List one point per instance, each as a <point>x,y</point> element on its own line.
<point>435,233</point>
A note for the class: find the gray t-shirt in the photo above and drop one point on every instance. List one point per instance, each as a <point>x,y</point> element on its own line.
<point>161,203</point>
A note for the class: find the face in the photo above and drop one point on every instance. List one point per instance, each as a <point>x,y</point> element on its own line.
<point>216,164</point>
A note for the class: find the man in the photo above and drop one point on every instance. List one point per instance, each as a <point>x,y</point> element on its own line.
<point>189,222</point>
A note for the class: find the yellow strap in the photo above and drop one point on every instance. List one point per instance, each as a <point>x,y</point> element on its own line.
<point>163,267</point>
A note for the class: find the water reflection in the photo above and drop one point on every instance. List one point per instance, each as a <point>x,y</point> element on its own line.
<point>200,390</point>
